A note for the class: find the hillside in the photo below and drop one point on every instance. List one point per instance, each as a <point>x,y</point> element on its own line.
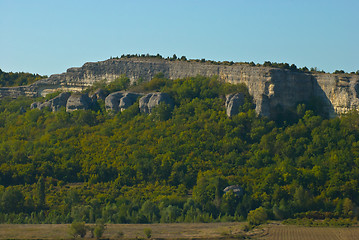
<point>173,165</point>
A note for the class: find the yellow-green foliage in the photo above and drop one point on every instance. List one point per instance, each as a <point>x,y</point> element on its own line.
<point>95,165</point>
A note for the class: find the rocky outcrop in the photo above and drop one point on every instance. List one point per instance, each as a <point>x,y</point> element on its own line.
<point>54,104</point>
<point>78,102</point>
<point>236,189</point>
<point>119,101</point>
<point>35,105</point>
<point>98,94</point>
<point>151,100</point>
<point>128,100</point>
<point>233,102</point>
<point>271,88</point>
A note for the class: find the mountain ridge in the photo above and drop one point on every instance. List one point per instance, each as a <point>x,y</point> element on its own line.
<point>271,88</point>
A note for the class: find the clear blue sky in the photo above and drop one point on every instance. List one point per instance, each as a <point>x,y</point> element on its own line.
<point>49,36</point>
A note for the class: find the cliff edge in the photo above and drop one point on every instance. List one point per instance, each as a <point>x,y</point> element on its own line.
<point>271,88</point>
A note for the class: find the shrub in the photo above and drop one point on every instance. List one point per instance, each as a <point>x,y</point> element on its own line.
<point>99,229</point>
<point>257,216</point>
<point>148,232</point>
<point>78,229</point>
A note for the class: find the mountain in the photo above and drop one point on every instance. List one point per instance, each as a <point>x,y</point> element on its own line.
<point>273,89</point>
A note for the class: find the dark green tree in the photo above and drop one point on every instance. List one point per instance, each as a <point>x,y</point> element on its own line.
<point>40,193</point>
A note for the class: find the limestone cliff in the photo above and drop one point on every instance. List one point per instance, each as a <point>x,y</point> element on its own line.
<point>271,88</point>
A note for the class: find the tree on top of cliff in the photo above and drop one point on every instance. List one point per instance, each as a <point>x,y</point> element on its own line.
<point>10,79</point>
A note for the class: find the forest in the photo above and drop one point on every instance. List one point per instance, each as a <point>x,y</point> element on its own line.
<point>173,165</point>
<point>10,79</point>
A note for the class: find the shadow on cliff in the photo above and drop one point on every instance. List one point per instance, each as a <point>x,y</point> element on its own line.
<point>317,101</point>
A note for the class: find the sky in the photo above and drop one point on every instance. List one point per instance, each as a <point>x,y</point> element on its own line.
<point>49,36</point>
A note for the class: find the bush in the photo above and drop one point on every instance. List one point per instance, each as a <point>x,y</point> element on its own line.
<point>257,216</point>
<point>99,229</point>
<point>148,232</point>
<point>78,229</point>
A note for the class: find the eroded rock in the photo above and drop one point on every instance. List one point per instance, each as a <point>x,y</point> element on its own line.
<point>60,101</point>
<point>233,102</point>
<point>78,102</point>
<point>98,94</point>
<point>112,101</point>
<point>274,88</point>
<point>53,104</point>
<point>128,100</point>
<point>151,100</point>
<point>119,101</point>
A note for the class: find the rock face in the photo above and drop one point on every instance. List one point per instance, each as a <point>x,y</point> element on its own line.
<point>128,100</point>
<point>98,94</point>
<point>271,88</point>
<point>119,101</point>
<point>54,104</point>
<point>78,102</point>
<point>151,100</point>
<point>233,102</point>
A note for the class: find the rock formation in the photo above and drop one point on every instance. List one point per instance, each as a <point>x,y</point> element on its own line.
<point>98,94</point>
<point>271,88</point>
<point>233,102</point>
<point>119,101</point>
<point>128,100</point>
<point>54,104</point>
<point>78,102</point>
<point>236,189</point>
<point>151,100</point>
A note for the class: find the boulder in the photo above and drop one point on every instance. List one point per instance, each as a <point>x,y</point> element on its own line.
<point>151,100</point>
<point>112,101</point>
<point>119,101</point>
<point>236,189</point>
<point>59,101</point>
<point>233,102</point>
<point>128,100</point>
<point>78,102</point>
<point>54,104</point>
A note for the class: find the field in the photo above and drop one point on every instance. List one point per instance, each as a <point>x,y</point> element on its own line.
<point>284,232</point>
<point>184,231</point>
<point>130,231</point>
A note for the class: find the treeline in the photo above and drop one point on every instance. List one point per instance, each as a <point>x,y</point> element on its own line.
<point>291,67</point>
<point>10,79</point>
<point>173,165</point>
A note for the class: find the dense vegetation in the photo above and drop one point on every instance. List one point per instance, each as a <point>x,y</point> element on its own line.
<point>9,79</point>
<point>172,165</point>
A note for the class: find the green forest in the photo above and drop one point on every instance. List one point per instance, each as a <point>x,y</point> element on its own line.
<point>10,79</point>
<point>173,165</point>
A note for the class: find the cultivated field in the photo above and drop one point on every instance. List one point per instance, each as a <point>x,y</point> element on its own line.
<point>185,231</point>
<point>284,232</point>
